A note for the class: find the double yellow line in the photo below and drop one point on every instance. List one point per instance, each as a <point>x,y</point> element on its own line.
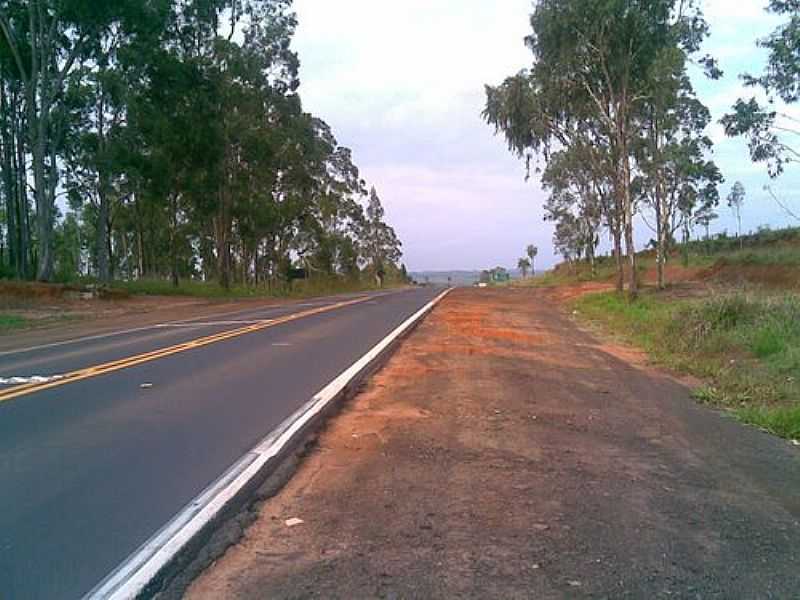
<point>132,361</point>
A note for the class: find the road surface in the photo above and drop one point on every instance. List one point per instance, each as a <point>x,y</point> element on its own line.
<point>94,466</point>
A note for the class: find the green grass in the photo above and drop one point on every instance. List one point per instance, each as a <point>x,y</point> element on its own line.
<point>10,322</point>
<point>766,247</point>
<point>745,345</point>
<point>782,421</point>
<point>777,256</point>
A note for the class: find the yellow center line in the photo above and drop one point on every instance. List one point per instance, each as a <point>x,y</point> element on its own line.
<point>131,361</point>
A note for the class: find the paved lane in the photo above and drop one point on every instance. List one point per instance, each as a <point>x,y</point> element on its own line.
<point>92,469</point>
<point>82,352</point>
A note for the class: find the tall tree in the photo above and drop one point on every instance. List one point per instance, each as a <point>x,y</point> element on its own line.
<point>591,80</point>
<point>532,252</point>
<point>675,172</point>
<point>383,247</point>
<point>49,41</point>
<point>524,265</point>
<point>769,132</point>
<point>176,130</point>
<point>735,202</point>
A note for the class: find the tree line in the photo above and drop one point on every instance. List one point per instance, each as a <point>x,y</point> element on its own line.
<point>167,139</point>
<point>609,118</point>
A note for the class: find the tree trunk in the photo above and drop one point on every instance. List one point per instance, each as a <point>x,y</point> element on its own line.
<point>660,236</point>
<point>103,239</point>
<point>739,220</point>
<point>223,253</point>
<point>44,208</point>
<point>591,258</point>
<point>8,142</point>
<point>173,251</point>
<point>627,203</point>
<point>21,186</point>
<point>222,235</point>
<point>686,243</point>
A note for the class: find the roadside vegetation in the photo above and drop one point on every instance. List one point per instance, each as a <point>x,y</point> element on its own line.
<point>745,344</point>
<point>11,322</point>
<point>609,117</point>
<point>143,143</point>
<point>200,289</point>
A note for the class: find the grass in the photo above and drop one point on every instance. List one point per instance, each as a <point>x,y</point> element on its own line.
<point>778,256</point>
<point>746,345</point>
<point>11,322</point>
<point>578,272</point>
<point>199,289</point>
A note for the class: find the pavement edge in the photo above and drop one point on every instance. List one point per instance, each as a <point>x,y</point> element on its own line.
<point>153,568</point>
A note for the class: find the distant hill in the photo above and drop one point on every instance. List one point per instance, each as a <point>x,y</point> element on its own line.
<point>455,277</point>
<point>445,277</point>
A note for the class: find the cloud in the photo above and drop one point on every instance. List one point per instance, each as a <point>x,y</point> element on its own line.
<point>402,85</point>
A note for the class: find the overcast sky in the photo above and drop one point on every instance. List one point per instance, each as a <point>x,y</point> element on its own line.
<point>401,83</point>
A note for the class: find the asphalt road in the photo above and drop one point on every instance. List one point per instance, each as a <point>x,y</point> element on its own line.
<point>93,468</point>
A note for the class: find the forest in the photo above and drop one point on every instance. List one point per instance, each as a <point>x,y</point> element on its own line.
<point>166,139</point>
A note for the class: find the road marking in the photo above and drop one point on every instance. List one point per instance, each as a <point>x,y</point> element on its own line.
<point>281,344</point>
<point>131,361</point>
<point>132,577</point>
<point>100,336</point>
<point>212,323</point>
<point>30,379</point>
<point>89,338</point>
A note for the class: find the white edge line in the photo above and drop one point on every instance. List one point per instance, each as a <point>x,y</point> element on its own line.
<point>132,577</point>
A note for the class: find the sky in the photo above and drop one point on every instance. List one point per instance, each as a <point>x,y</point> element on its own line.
<point>402,85</point>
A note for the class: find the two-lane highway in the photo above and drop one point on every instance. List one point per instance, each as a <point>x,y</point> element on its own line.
<point>123,430</point>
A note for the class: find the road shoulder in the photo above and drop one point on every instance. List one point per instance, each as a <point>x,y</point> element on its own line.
<point>504,453</point>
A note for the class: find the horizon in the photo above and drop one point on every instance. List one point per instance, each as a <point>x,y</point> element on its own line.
<point>411,115</point>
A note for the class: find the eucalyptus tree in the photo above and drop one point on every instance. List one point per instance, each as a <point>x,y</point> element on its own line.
<point>568,238</point>
<point>676,177</point>
<point>524,265</point>
<point>704,218</point>
<point>176,130</point>
<point>575,198</point>
<point>49,43</point>
<point>735,202</point>
<point>591,79</point>
<point>770,132</point>
<point>13,141</point>
<point>532,252</point>
<point>382,247</point>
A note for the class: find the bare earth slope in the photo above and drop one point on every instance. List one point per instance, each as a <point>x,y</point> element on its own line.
<point>504,453</point>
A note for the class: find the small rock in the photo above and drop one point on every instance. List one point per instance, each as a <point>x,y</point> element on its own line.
<point>535,566</point>
<point>795,442</point>
<point>574,583</point>
<point>541,526</point>
<point>294,522</point>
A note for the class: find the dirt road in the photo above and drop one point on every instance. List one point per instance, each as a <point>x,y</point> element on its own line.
<point>504,453</point>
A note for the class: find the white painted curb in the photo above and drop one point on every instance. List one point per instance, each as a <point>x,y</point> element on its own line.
<point>132,577</point>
